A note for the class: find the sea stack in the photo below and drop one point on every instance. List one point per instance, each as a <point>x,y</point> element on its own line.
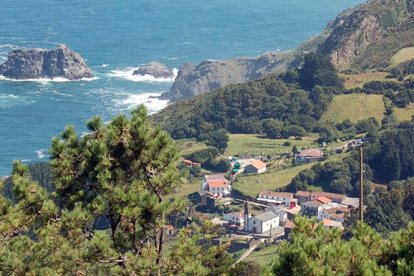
<point>39,63</point>
<point>155,69</point>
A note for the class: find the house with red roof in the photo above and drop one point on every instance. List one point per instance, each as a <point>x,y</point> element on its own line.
<point>309,155</point>
<point>315,207</point>
<point>216,184</point>
<point>278,198</point>
<point>255,167</point>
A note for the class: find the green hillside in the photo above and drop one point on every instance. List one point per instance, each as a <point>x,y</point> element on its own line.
<point>403,55</point>
<point>404,114</point>
<point>354,107</point>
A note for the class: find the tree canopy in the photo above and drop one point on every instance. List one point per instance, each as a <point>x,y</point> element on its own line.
<point>109,208</point>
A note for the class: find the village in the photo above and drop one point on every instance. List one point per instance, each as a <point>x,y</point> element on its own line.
<point>269,217</point>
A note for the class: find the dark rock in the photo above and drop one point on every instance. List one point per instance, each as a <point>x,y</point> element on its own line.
<point>42,63</point>
<point>155,69</point>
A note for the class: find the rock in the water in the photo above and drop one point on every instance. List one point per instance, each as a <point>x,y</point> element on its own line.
<point>42,63</point>
<point>155,69</point>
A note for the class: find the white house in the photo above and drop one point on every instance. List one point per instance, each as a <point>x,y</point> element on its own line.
<point>255,167</point>
<point>235,217</point>
<point>271,197</point>
<point>263,222</point>
<point>315,207</point>
<point>280,210</point>
<point>309,155</point>
<point>216,184</point>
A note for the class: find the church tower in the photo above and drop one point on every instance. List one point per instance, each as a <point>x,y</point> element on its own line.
<point>247,215</point>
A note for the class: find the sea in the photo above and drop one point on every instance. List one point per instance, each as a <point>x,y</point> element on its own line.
<point>116,37</point>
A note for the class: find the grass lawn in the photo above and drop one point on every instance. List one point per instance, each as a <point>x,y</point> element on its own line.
<point>358,80</point>
<point>272,179</point>
<point>187,146</point>
<point>252,184</point>
<point>355,107</point>
<point>256,145</point>
<point>404,114</point>
<point>192,185</point>
<point>264,256</point>
<point>403,55</point>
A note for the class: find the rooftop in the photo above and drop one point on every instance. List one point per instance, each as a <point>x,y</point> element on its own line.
<point>289,224</point>
<point>216,183</point>
<point>323,199</point>
<point>315,203</point>
<point>315,153</point>
<point>267,216</point>
<point>258,164</point>
<point>275,194</point>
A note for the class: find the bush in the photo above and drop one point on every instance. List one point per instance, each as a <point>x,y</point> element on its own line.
<point>201,156</point>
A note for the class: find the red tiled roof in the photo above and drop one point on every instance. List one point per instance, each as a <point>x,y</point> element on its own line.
<point>330,195</point>
<point>258,164</point>
<point>275,194</point>
<point>216,183</point>
<point>323,199</point>
<point>289,224</point>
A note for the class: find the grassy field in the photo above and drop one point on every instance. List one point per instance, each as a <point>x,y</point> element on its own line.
<point>354,107</point>
<point>254,144</point>
<point>187,146</point>
<point>403,55</point>
<point>358,80</point>
<point>404,114</point>
<point>192,185</point>
<point>274,178</point>
<point>264,256</point>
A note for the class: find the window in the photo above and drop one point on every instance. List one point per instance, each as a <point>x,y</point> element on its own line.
<point>254,222</point>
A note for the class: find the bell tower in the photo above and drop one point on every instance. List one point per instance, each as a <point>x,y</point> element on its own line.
<point>247,215</point>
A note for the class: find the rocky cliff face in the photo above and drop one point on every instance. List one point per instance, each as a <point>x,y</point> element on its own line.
<point>194,80</point>
<point>155,69</point>
<point>41,63</point>
<point>364,37</point>
<point>355,35</point>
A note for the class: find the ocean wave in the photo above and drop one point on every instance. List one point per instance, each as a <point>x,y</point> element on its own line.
<point>150,100</point>
<point>10,100</point>
<point>128,75</point>
<point>46,80</point>
<point>41,153</point>
<point>104,65</point>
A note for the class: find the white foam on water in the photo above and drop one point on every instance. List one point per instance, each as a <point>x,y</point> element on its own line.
<point>45,80</point>
<point>41,153</point>
<point>127,74</point>
<point>104,65</point>
<point>10,100</point>
<point>152,103</point>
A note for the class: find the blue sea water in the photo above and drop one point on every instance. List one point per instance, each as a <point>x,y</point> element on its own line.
<point>117,36</point>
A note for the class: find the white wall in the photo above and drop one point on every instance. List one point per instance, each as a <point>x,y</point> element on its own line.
<point>262,227</point>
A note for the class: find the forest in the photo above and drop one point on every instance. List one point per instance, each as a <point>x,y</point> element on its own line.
<point>107,204</point>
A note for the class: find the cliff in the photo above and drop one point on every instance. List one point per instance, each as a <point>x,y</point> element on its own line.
<point>364,37</point>
<point>42,63</point>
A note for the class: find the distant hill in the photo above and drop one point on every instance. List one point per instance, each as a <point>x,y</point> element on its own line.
<point>361,38</point>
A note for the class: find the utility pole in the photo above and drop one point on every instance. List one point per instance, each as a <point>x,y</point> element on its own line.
<point>361,185</point>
